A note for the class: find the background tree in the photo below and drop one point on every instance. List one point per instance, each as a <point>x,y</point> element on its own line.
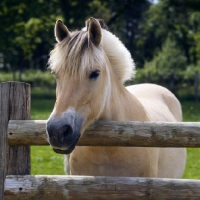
<point>24,31</point>
<point>168,64</point>
<point>174,19</point>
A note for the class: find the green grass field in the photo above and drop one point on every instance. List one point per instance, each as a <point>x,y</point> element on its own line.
<point>191,113</point>
<point>45,161</point>
<point>43,158</point>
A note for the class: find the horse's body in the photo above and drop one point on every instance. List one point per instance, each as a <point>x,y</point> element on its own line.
<point>159,105</point>
<point>98,93</point>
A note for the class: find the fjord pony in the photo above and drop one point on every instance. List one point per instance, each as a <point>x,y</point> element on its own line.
<point>90,67</point>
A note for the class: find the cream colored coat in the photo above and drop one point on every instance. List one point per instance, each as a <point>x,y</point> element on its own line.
<point>159,105</point>
<point>105,98</point>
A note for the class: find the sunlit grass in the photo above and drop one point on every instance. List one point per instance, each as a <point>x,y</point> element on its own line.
<point>43,159</point>
<point>192,170</point>
<point>191,113</point>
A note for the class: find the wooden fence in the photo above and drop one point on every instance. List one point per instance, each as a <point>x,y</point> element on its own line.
<point>17,133</point>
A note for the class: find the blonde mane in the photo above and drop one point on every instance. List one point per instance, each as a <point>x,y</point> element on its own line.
<point>119,57</point>
<point>77,52</point>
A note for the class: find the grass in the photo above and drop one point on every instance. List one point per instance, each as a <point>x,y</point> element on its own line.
<point>191,113</point>
<point>192,170</point>
<point>45,161</point>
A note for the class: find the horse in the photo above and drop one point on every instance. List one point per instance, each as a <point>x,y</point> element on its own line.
<point>91,66</point>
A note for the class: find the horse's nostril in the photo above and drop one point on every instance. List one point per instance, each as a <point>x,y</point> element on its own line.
<point>66,132</point>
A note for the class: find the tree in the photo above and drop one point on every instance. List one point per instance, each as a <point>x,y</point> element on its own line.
<point>126,20</point>
<point>24,30</point>
<point>174,19</point>
<point>169,63</point>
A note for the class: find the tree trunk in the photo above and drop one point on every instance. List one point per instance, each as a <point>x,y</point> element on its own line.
<point>149,78</point>
<point>172,83</point>
<point>196,86</point>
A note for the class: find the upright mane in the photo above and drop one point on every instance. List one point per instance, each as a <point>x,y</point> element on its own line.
<point>119,57</point>
<point>77,52</point>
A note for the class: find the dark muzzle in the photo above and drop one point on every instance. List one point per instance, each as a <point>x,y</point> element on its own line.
<point>63,132</point>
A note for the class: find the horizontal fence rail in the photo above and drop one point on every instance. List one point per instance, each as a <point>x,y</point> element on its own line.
<point>90,187</point>
<point>113,133</point>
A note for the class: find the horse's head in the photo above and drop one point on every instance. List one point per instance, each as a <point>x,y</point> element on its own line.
<point>80,67</point>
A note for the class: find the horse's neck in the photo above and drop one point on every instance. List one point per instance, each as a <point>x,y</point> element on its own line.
<point>123,106</point>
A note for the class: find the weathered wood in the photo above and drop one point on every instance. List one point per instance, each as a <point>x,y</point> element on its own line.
<point>90,187</point>
<point>110,133</point>
<point>27,132</point>
<point>18,158</point>
<point>4,117</point>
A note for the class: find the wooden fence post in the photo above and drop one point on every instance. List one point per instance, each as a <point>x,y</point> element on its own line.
<point>4,96</point>
<point>14,104</point>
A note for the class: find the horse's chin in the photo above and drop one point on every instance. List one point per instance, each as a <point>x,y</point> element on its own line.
<point>66,151</point>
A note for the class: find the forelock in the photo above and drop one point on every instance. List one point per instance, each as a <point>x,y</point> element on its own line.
<point>74,54</point>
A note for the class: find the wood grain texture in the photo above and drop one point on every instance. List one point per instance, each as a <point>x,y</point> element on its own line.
<point>4,117</point>
<point>114,133</point>
<point>89,187</point>
<point>18,157</point>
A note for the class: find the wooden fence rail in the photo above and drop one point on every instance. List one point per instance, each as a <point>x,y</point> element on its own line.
<point>110,133</point>
<point>89,187</point>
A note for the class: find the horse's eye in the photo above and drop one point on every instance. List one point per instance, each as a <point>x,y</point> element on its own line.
<point>94,74</point>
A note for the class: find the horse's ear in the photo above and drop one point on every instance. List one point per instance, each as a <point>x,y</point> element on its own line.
<point>94,31</point>
<point>101,22</point>
<point>61,31</point>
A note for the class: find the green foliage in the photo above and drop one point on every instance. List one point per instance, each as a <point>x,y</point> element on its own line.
<point>39,78</point>
<point>163,38</point>
<point>177,20</point>
<point>24,30</point>
<point>5,76</point>
<point>170,60</point>
<point>35,77</point>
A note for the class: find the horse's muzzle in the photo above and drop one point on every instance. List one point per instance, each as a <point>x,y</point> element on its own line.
<point>63,132</point>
